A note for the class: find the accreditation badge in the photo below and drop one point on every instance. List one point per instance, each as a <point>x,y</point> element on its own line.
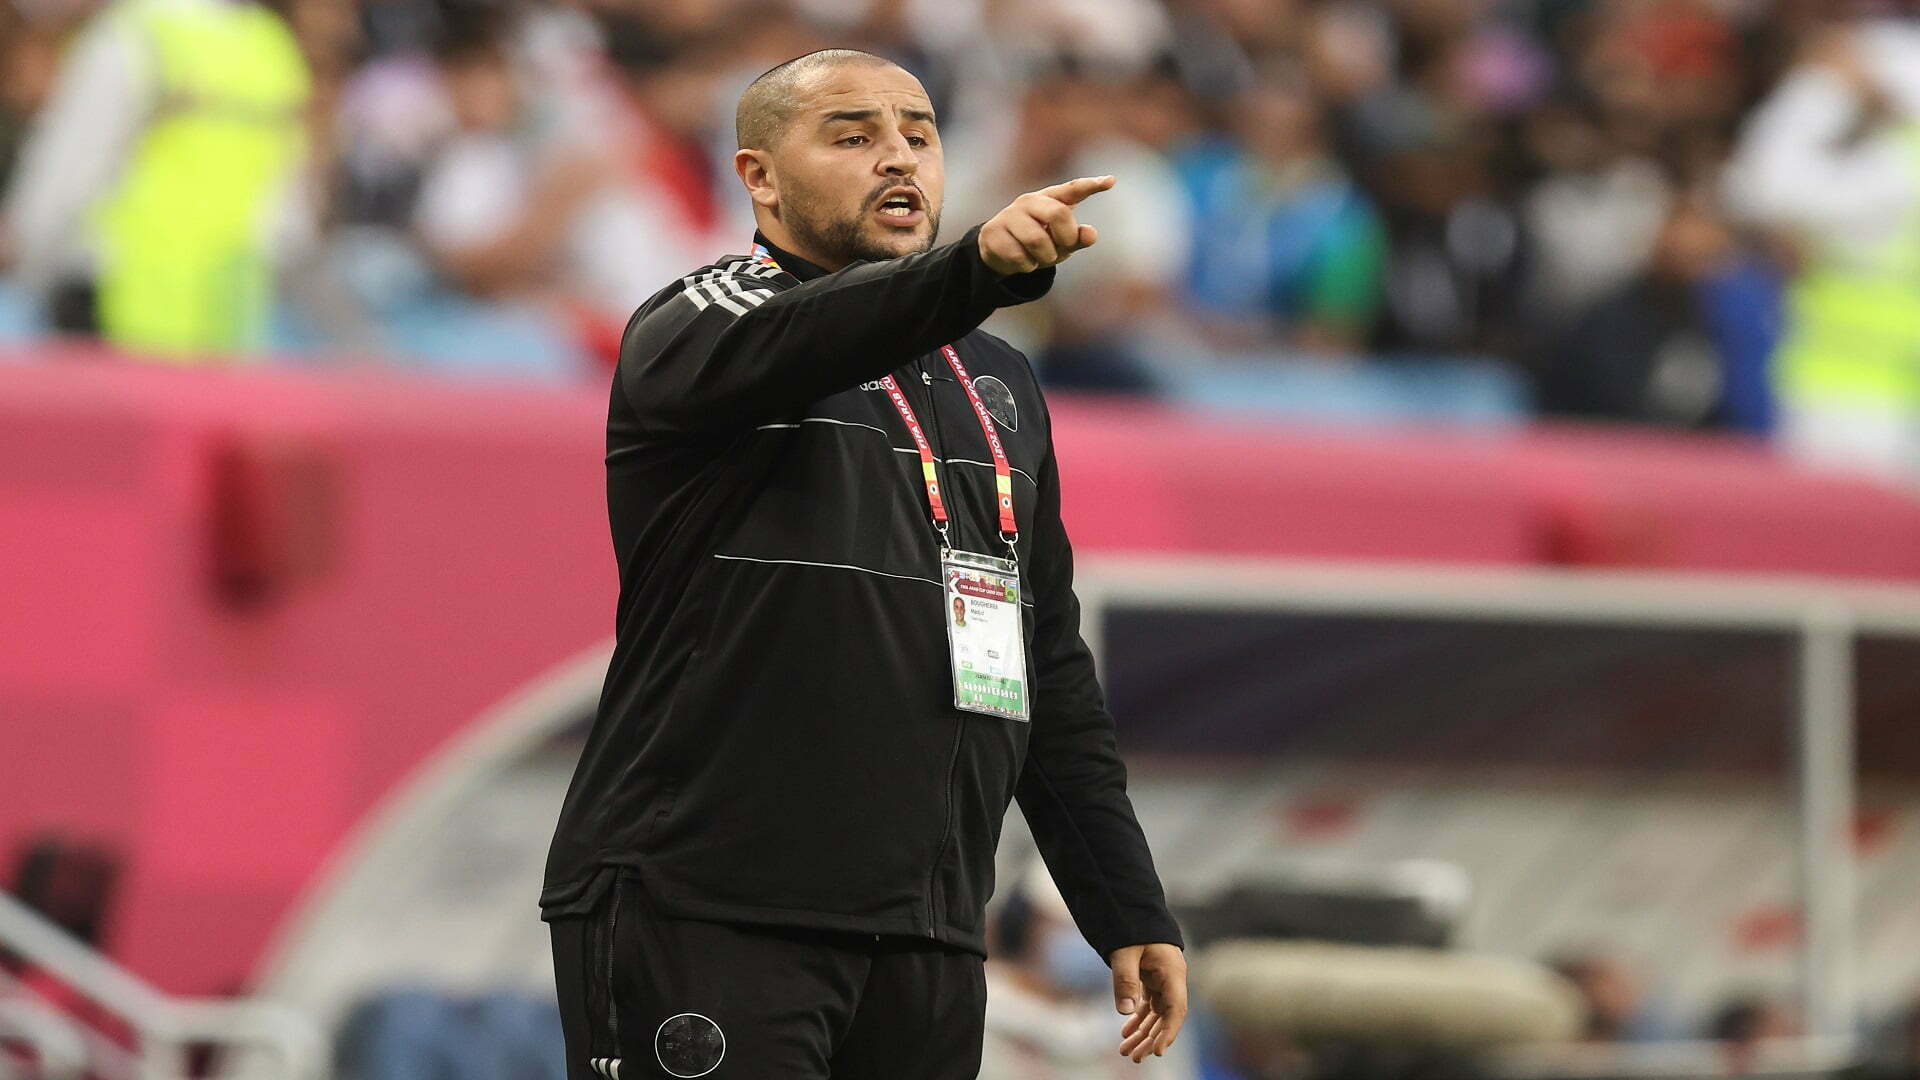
<point>984,634</point>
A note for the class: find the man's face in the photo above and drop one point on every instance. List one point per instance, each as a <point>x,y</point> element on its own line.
<point>858,175</point>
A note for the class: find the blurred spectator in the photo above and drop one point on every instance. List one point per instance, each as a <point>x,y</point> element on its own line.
<point>162,172</point>
<point>1898,1058</point>
<point>1458,254</point>
<point>1595,216</point>
<point>72,882</point>
<point>1742,1025</point>
<point>1683,344</point>
<point>521,204</point>
<point>1288,253</point>
<point>1831,162</point>
<point>1090,330</point>
<point>423,1034</point>
<point>1050,1012</point>
<point>1617,1008</point>
<point>29,59</point>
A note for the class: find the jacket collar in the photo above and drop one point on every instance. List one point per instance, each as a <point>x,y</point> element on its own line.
<point>791,263</point>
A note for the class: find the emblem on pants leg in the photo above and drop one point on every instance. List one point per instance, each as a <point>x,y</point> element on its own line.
<point>689,1044</point>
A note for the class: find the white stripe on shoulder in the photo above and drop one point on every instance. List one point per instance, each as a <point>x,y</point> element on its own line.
<point>731,306</point>
<point>734,270</point>
<point>742,264</point>
<point>753,293</point>
<point>726,290</point>
<point>726,295</point>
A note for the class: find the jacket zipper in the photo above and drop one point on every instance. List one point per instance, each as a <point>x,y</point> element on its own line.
<point>959,723</point>
<point>613,933</point>
<point>946,830</point>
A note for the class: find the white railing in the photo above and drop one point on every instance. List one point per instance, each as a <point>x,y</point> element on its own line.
<point>1823,617</point>
<point>1770,1059</point>
<point>165,1028</point>
<point>59,1051</point>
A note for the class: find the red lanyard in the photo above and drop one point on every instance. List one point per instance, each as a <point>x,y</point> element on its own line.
<point>1002,471</point>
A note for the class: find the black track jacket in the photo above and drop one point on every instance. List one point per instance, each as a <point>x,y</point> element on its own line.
<point>776,741</point>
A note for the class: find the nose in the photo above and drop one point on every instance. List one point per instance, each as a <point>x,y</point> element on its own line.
<point>898,157</point>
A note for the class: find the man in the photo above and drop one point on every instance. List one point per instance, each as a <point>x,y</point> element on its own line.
<point>775,856</point>
<point>1830,163</point>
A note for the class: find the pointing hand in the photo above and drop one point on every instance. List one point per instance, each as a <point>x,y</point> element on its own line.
<point>1037,229</point>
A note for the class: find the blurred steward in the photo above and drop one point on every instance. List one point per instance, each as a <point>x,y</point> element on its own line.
<point>1831,163</point>
<point>163,173</point>
<point>1287,252</point>
<point>1049,996</point>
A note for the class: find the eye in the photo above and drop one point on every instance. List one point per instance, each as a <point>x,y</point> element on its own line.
<point>916,140</point>
<point>853,140</point>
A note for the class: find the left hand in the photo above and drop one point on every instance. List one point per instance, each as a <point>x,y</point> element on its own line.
<point>1150,982</point>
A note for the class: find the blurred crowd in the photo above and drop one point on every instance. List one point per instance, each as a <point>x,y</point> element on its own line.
<point>1694,213</point>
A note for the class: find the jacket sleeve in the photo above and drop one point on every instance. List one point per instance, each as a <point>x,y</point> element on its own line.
<point>1073,788</point>
<point>744,352</point>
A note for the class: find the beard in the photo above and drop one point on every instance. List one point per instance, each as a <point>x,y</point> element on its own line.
<point>851,235</point>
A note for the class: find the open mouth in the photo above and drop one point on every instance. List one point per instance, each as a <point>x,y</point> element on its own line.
<point>901,204</point>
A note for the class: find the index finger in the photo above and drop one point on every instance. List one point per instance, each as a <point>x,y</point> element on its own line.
<point>1072,191</point>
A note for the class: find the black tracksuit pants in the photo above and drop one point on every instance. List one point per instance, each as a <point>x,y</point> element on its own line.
<point>643,995</point>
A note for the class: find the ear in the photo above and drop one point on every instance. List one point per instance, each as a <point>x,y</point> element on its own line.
<point>755,169</point>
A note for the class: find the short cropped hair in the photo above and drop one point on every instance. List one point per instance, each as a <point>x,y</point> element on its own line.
<point>766,106</point>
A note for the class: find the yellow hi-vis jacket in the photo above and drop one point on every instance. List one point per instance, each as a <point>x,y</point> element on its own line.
<point>1853,335</point>
<point>185,265</point>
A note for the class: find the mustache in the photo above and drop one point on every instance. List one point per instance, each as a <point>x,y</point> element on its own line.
<point>891,184</point>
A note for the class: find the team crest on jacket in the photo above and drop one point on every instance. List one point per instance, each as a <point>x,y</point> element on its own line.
<point>688,1044</point>
<point>998,400</point>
